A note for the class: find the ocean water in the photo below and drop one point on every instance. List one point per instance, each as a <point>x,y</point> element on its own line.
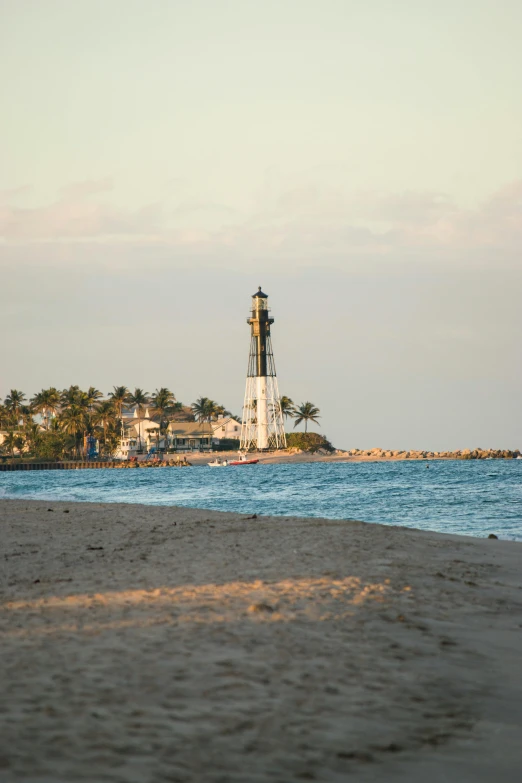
<point>475,497</point>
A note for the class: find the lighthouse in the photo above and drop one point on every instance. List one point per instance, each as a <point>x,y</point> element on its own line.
<point>262,427</point>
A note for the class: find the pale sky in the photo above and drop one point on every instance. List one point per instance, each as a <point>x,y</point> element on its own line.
<point>361,161</point>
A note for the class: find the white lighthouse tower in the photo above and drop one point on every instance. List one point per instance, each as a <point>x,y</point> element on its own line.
<point>263,426</point>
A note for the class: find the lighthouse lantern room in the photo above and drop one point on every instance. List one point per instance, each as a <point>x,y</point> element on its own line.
<point>262,427</point>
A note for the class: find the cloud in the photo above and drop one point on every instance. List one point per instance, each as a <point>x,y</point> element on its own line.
<point>6,196</point>
<point>75,215</point>
<point>495,224</point>
<point>79,190</point>
<point>308,223</point>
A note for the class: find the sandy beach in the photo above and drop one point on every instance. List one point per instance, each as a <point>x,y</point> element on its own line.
<point>144,644</point>
<point>296,458</point>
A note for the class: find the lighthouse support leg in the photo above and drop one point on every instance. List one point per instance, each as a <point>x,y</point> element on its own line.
<point>262,413</point>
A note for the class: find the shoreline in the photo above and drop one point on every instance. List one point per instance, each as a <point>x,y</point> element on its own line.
<point>259,516</point>
<point>195,458</point>
<point>160,642</point>
<point>305,457</point>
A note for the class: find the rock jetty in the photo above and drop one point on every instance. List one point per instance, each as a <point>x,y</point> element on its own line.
<point>477,453</point>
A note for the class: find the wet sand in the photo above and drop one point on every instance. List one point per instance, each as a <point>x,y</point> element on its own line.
<point>164,644</point>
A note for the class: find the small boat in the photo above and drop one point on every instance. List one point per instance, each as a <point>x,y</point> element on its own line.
<point>242,460</point>
<point>218,463</point>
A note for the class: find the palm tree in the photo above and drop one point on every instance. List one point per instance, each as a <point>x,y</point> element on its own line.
<point>205,409</point>
<point>105,414</point>
<point>46,402</point>
<point>13,440</point>
<point>306,412</point>
<point>139,398</point>
<point>73,421</point>
<point>38,405</point>
<point>13,402</point>
<point>162,400</point>
<point>200,408</point>
<point>26,415</point>
<point>75,406</point>
<point>10,442</point>
<point>71,396</point>
<point>93,395</point>
<point>5,417</point>
<point>287,407</point>
<point>120,397</point>
<point>33,436</point>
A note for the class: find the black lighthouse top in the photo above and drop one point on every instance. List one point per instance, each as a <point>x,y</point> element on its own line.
<point>260,303</point>
<point>260,322</point>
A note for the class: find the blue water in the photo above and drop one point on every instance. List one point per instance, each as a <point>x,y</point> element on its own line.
<point>474,498</point>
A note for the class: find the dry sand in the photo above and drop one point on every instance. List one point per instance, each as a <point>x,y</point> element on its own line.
<point>163,644</point>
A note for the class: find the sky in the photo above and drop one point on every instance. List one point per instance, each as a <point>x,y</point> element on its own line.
<point>362,162</point>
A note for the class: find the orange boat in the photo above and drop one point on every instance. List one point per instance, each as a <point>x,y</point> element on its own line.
<point>243,461</point>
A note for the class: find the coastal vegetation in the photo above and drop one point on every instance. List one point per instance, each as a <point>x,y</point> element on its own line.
<point>308,441</point>
<point>205,409</point>
<point>57,424</point>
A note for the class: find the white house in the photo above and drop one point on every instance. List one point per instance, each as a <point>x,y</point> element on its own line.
<point>225,428</point>
<point>190,436</point>
<point>140,434</point>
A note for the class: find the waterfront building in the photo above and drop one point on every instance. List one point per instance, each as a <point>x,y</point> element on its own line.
<point>190,436</point>
<point>140,434</point>
<point>225,428</point>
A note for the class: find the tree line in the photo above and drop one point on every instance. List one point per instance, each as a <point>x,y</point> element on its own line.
<point>70,416</point>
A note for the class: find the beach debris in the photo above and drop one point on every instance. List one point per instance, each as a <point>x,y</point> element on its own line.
<point>492,535</point>
<point>94,548</point>
<point>261,607</point>
<point>50,509</point>
<point>36,581</point>
<point>254,516</point>
<point>66,511</point>
<point>391,748</point>
<point>355,755</point>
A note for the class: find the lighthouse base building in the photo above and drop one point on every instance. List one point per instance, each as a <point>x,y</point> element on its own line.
<point>262,427</point>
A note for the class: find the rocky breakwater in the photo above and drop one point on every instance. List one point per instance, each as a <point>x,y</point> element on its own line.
<point>478,453</point>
